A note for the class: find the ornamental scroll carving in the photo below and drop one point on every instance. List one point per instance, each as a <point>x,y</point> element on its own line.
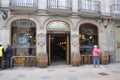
<point>74,40</point>
<point>41,39</point>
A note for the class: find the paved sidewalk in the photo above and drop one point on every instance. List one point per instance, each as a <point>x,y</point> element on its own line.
<point>63,72</point>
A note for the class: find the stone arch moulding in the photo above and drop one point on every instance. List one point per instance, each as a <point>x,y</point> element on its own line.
<point>87,22</point>
<point>47,21</point>
<point>13,18</point>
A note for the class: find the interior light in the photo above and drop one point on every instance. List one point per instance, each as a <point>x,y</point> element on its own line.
<point>90,37</point>
<point>30,36</point>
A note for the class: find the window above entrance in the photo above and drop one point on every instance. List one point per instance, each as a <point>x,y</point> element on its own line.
<point>58,25</point>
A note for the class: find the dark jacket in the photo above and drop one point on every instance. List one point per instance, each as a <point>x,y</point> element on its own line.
<point>8,52</point>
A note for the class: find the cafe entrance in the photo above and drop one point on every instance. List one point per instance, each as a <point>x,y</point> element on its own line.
<point>58,51</point>
<point>58,42</point>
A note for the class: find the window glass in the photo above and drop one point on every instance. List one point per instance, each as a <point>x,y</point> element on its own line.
<point>58,25</point>
<point>24,2</point>
<point>88,5</point>
<point>117,2</point>
<point>117,6</point>
<point>88,38</point>
<point>23,37</point>
<point>59,3</point>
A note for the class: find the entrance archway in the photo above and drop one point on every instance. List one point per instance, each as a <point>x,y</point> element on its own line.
<point>88,37</point>
<point>58,42</point>
<point>23,40</point>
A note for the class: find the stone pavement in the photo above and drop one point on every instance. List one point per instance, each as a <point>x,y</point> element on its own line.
<point>63,72</point>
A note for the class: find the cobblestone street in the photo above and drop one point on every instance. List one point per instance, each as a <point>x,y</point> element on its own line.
<point>63,72</point>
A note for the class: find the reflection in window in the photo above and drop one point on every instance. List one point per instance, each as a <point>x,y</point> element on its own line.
<point>63,4</point>
<point>117,6</point>
<point>87,4</point>
<point>24,2</point>
<point>90,5</point>
<point>88,38</point>
<point>117,1</point>
<point>23,37</point>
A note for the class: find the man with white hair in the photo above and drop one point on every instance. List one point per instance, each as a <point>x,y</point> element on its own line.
<point>96,56</point>
<point>1,54</point>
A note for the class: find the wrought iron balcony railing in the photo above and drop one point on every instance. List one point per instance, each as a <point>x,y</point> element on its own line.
<point>24,4</point>
<point>115,9</point>
<point>89,6</point>
<point>59,4</point>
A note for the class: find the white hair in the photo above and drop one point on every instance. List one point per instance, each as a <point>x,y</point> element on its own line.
<point>95,46</point>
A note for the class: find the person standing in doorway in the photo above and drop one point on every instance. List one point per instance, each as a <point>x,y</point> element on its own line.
<point>8,56</point>
<point>96,56</point>
<point>1,54</point>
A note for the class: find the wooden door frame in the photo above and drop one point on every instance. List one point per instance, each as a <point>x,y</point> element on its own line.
<point>67,51</point>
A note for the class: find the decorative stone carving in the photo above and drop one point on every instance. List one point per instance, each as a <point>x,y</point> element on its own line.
<point>4,15</point>
<point>74,40</point>
<point>74,27</point>
<point>41,39</point>
<point>41,27</point>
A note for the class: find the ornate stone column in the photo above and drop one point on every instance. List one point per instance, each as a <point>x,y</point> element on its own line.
<point>42,55</point>
<point>76,58</point>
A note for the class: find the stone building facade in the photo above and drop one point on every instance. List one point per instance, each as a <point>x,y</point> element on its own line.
<point>73,25</point>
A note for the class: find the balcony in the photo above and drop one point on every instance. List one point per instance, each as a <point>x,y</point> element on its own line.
<point>89,8</point>
<point>115,11</point>
<point>23,6</point>
<point>59,7</point>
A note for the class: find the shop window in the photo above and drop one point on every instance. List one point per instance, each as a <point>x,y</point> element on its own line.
<point>88,37</point>
<point>23,37</point>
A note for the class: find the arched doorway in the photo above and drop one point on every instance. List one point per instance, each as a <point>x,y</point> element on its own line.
<point>58,42</point>
<point>88,37</point>
<point>23,40</point>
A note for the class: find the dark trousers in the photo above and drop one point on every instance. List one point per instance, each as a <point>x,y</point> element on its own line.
<point>0,62</point>
<point>7,63</point>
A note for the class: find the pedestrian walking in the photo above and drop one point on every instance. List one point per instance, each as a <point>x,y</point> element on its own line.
<point>9,54</point>
<point>1,54</point>
<point>96,56</point>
